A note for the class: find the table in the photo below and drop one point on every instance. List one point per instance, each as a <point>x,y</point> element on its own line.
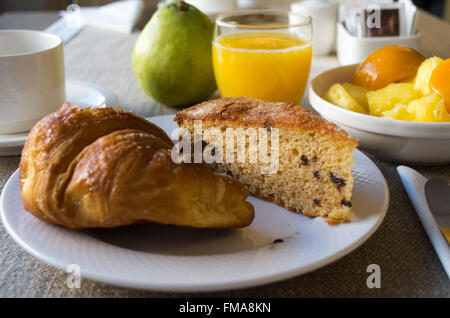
<point>409,265</point>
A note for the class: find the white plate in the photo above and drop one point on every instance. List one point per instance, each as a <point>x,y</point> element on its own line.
<point>170,258</point>
<point>77,92</point>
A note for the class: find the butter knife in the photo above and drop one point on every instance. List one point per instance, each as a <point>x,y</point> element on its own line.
<point>437,193</point>
<point>415,185</point>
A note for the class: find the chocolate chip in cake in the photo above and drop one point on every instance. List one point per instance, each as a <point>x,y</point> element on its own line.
<point>339,181</point>
<point>229,173</point>
<point>278,241</point>
<point>305,160</point>
<point>267,125</point>
<point>316,174</point>
<point>346,203</point>
<point>179,121</point>
<point>317,202</point>
<point>314,159</point>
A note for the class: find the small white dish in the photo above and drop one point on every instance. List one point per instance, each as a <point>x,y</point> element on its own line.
<point>352,49</point>
<point>402,141</point>
<point>85,94</point>
<point>324,16</point>
<point>170,258</point>
<point>77,92</point>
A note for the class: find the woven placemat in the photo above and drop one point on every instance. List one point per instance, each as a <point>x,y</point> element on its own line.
<point>409,265</point>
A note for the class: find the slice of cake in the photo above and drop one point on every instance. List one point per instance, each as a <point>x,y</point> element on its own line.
<point>310,165</point>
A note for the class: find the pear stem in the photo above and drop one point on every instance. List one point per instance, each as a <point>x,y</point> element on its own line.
<point>181,5</point>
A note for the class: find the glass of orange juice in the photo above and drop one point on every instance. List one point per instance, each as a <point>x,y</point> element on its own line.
<point>263,54</point>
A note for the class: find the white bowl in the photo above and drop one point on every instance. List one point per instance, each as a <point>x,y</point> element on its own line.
<point>388,139</point>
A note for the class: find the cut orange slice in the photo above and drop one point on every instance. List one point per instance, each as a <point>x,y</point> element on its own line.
<point>390,64</point>
<point>440,82</point>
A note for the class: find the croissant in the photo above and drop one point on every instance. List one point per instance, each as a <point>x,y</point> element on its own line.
<point>98,167</point>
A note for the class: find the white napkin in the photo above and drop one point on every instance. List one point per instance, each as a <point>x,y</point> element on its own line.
<point>414,184</point>
<point>121,16</point>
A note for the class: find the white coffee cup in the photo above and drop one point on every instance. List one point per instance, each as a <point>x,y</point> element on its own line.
<point>32,77</point>
<point>324,19</point>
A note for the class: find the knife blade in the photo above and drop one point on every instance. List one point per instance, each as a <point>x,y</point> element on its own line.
<point>414,184</point>
<point>437,193</point>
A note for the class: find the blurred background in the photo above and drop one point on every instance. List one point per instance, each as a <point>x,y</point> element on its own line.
<point>440,8</point>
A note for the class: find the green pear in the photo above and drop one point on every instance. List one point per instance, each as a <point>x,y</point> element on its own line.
<point>172,56</point>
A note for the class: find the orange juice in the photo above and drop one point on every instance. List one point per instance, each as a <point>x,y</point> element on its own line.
<point>266,65</point>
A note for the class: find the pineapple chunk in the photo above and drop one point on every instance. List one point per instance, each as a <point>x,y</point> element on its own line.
<point>339,96</point>
<point>359,93</point>
<point>430,108</point>
<point>399,112</point>
<point>387,97</point>
<point>422,80</point>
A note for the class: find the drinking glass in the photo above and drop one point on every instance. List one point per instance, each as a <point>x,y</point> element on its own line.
<point>263,54</point>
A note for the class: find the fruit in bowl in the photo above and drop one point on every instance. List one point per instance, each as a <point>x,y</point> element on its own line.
<point>341,96</point>
<point>389,64</point>
<point>440,81</point>
<point>408,139</point>
<point>397,83</point>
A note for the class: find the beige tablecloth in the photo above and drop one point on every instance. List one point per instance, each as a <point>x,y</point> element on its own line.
<point>409,265</point>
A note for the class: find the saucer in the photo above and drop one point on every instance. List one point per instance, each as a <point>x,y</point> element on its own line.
<point>77,92</point>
